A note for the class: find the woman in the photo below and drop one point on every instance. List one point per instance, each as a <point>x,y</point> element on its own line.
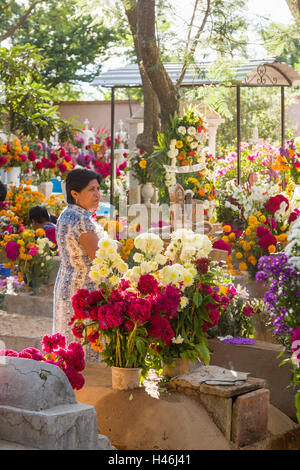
<point>77,239</point>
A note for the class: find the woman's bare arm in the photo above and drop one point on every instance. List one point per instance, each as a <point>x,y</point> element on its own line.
<point>89,242</point>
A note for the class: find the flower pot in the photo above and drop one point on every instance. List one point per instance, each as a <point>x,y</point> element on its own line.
<point>46,188</point>
<point>181,367</point>
<point>147,192</point>
<point>13,175</point>
<point>125,378</point>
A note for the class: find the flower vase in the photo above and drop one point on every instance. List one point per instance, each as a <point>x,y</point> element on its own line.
<point>124,378</point>
<point>13,175</point>
<point>179,366</point>
<point>147,192</point>
<point>46,188</point>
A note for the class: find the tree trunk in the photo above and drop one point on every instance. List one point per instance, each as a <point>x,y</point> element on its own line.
<point>147,138</point>
<point>294,6</point>
<point>163,86</point>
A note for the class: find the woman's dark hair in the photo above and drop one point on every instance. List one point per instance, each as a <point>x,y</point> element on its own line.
<point>53,218</point>
<point>40,214</point>
<point>3,191</point>
<point>78,179</point>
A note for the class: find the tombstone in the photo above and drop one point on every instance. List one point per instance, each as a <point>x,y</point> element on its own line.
<point>38,408</point>
<point>187,212</point>
<point>135,127</point>
<point>255,139</point>
<point>88,134</point>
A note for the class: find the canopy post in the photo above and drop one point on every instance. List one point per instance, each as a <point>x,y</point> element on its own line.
<point>112,150</point>
<point>282,117</point>
<point>238,132</point>
<point>282,129</point>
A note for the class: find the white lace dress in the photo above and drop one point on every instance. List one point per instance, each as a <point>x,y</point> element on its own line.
<point>74,268</point>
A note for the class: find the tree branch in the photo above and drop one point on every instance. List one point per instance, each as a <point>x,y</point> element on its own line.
<point>188,56</point>
<point>21,21</point>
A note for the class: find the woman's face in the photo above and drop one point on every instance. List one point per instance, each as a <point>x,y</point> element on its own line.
<point>89,197</point>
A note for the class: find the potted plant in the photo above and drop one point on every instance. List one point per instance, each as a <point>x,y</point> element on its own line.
<point>113,319</point>
<point>141,171</point>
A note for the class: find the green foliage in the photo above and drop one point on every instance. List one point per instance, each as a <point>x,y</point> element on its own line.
<point>26,108</point>
<point>297,404</point>
<point>260,108</point>
<point>73,44</point>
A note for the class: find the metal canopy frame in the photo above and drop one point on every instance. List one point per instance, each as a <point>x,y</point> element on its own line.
<point>256,73</point>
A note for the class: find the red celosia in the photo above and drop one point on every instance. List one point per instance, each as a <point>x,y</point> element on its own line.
<point>221,245</point>
<point>12,250</point>
<point>147,284</point>
<point>139,310</point>
<point>213,317</point>
<point>8,352</point>
<point>293,215</point>
<point>267,240</point>
<point>32,155</point>
<point>159,327</point>
<point>202,265</point>
<point>52,342</point>
<point>248,310</point>
<point>262,231</point>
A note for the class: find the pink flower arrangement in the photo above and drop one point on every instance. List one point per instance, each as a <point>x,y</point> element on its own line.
<point>70,359</point>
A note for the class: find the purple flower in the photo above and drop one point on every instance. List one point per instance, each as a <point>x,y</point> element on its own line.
<point>239,340</point>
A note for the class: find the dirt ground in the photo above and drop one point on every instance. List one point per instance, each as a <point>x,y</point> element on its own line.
<point>13,324</point>
<point>149,417</point>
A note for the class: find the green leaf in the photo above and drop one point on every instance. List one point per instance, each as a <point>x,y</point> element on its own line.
<point>197,299</point>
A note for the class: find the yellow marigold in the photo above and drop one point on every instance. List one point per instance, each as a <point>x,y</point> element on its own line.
<point>252,260</point>
<point>40,232</point>
<point>271,248</point>
<point>253,220</point>
<point>98,347</point>
<point>225,239</point>
<point>243,266</point>
<point>227,228</point>
<point>129,243</point>
<point>232,236</point>
<point>262,219</point>
<point>23,256</point>
<point>258,214</point>
<point>282,228</point>
<point>143,164</point>
<point>179,144</point>
<point>248,231</point>
<point>282,237</point>
<point>247,247</point>
<point>239,255</point>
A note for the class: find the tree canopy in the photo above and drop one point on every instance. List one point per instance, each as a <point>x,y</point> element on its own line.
<point>73,45</point>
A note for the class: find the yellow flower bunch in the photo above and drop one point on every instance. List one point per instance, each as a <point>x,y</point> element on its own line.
<point>22,198</point>
<point>34,256</point>
<point>127,246</point>
<point>55,204</point>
